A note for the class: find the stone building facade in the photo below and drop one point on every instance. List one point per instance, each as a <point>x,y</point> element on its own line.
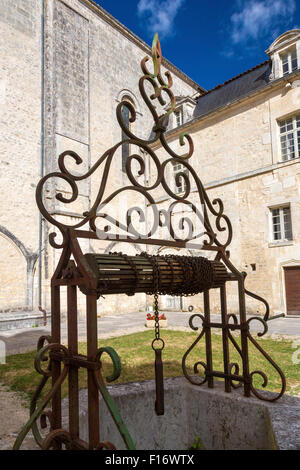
<point>67,64</point>
<point>246,134</point>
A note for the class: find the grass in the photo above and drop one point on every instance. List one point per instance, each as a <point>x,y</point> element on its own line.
<point>137,360</point>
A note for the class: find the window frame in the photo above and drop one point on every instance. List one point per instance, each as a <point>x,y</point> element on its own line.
<point>182,169</point>
<point>289,53</point>
<point>286,234</point>
<point>178,112</point>
<point>295,131</point>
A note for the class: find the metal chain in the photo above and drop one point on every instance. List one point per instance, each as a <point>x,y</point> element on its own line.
<point>155,291</point>
<point>197,275</point>
<point>158,343</point>
<point>156,283</point>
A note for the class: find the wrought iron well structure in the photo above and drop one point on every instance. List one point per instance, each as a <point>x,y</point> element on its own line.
<point>98,274</point>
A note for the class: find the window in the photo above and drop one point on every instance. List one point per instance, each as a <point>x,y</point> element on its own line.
<point>289,62</point>
<point>281,224</point>
<point>125,147</point>
<point>290,138</point>
<point>179,168</point>
<point>178,113</point>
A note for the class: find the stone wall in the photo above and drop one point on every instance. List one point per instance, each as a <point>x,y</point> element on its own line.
<point>90,63</point>
<point>237,157</point>
<point>20,161</point>
<point>71,42</point>
<point>21,15</point>
<point>222,421</point>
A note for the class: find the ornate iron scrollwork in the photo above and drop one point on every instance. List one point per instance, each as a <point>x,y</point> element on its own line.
<point>217,232</point>
<point>215,208</point>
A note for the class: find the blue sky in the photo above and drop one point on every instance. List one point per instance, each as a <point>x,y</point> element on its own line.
<point>211,41</point>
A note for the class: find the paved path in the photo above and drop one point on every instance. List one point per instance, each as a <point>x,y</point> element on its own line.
<point>22,340</point>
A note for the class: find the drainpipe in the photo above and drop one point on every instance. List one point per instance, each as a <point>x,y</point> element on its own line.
<point>42,152</point>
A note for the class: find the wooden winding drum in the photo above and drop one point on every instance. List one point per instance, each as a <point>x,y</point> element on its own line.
<point>118,273</point>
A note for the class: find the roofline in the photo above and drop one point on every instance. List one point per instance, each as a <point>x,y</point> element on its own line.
<point>142,44</point>
<point>234,78</point>
<point>275,83</point>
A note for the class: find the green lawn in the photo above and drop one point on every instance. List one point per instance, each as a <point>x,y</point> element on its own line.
<point>137,360</point>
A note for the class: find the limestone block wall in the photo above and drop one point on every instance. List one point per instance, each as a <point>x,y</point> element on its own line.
<point>13,275</point>
<point>20,124</point>
<point>91,63</point>
<point>237,157</point>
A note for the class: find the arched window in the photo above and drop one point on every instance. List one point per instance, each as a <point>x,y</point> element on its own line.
<point>125,147</point>
<point>125,118</point>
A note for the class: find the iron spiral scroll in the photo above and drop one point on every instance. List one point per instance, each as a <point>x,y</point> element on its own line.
<point>235,378</point>
<point>58,436</point>
<point>62,363</point>
<point>214,208</point>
